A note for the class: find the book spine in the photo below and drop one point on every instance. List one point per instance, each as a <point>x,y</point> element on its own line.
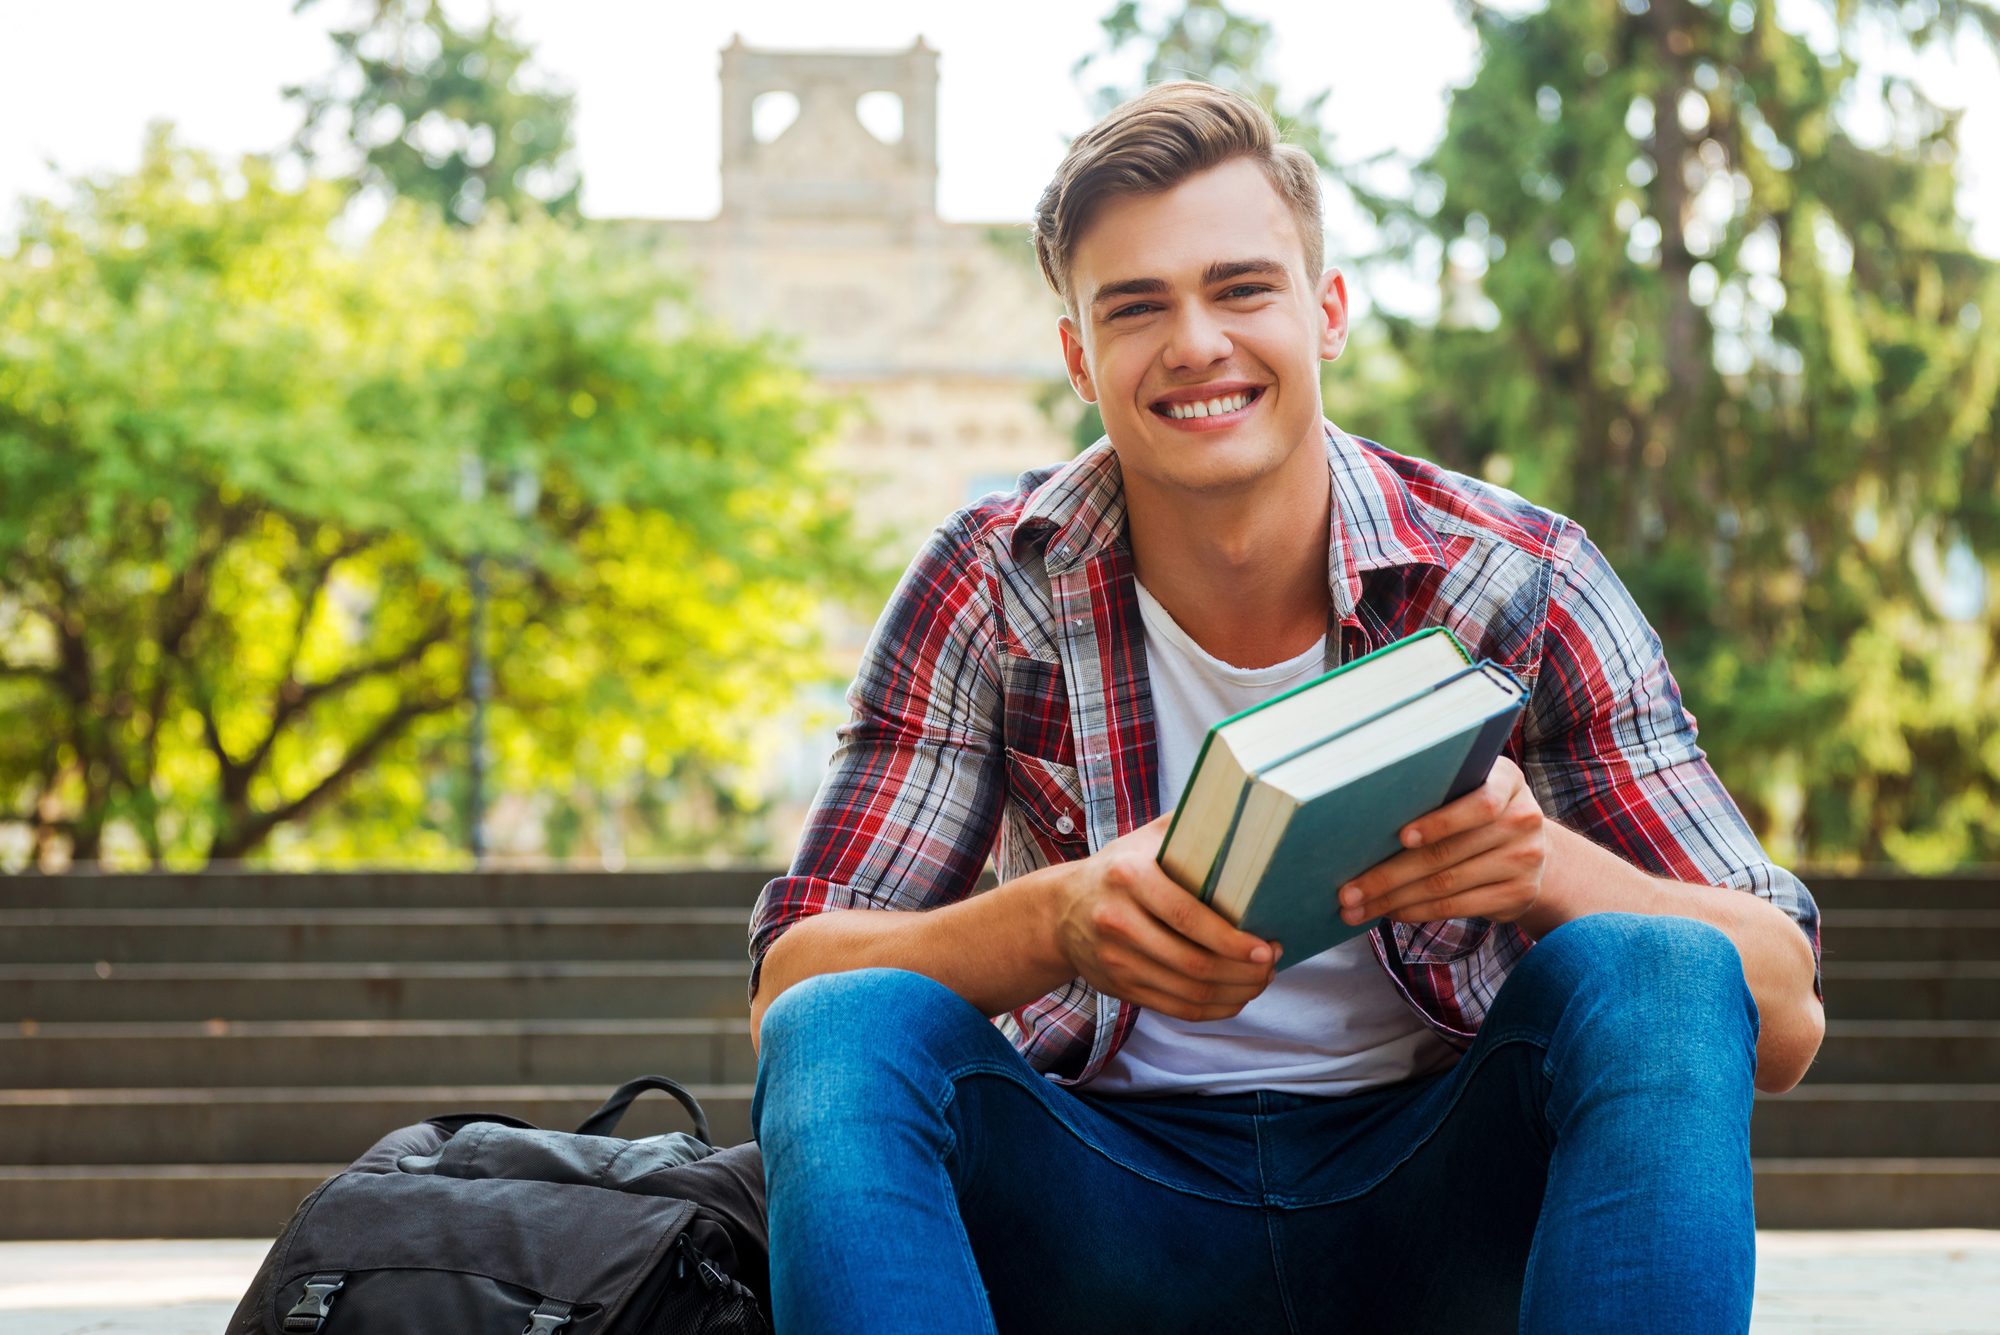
<point>1228,838</point>
<point>1485,750</point>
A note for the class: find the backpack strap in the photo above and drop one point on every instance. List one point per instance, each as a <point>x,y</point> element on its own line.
<point>549,1317</point>
<point>308,1314</point>
<point>605,1120</point>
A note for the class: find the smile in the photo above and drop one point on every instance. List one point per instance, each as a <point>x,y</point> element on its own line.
<point>1216,407</point>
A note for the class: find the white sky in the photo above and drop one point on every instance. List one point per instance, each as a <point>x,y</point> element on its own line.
<point>80,79</point>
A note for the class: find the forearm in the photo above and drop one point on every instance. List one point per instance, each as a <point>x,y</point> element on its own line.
<point>997,949</point>
<point>1581,878</point>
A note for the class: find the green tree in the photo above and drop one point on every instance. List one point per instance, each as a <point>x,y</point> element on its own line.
<point>242,469</point>
<point>1208,41</point>
<point>1682,303</point>
<point>454,117</point>
<point>1753,355</point>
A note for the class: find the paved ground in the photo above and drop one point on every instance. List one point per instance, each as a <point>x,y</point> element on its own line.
<point>1938,1282</point>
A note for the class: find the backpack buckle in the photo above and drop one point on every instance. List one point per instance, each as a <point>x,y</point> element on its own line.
<point>549,1317</point>
<point>309,1313</point>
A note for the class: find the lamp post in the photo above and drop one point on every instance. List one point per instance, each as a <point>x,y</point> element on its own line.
<point>524,494</point>
<point>479,685</point>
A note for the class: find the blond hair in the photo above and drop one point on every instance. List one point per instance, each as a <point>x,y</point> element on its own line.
<point>1154,142</point>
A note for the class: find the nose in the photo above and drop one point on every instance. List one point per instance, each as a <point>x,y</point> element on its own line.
<point>1197,339</point>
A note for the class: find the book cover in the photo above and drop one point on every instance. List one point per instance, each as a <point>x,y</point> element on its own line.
<point>1340,834</point>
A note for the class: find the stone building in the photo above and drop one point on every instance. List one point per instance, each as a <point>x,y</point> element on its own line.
<point>942,333</point>
<point>828,232</point>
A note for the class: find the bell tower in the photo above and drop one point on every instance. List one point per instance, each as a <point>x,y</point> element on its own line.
<point>826,165</point>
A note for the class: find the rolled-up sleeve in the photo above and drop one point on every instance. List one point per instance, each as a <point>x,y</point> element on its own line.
<point>1611,752</point>
<point>910,803</point>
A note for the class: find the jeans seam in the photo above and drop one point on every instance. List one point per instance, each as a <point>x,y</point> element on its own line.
<point>1278,1269</point>
<point>965,1252</point>
<point>1460,1078</point>
<point>981,1067</point>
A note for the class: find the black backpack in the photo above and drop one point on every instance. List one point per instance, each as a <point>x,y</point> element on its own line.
<point>480,1224</point>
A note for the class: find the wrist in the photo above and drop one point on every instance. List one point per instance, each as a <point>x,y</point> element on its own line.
<point>1553,904</point>
<point>1043,896</point>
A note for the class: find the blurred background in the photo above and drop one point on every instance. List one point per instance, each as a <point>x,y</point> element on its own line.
<point>439,433</point>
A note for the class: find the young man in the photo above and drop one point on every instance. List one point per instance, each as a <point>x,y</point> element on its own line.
<point>1081,1101</point>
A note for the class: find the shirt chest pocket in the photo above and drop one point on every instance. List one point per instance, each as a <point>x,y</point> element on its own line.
<point>1049,798</point>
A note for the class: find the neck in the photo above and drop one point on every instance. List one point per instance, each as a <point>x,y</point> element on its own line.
<point>1244,574</point>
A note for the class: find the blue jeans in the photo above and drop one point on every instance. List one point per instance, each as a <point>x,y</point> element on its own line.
<point>1585,1167</point>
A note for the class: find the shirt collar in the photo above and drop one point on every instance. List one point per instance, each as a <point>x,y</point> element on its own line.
<point>1080,510</point>
<point>1376,523</point>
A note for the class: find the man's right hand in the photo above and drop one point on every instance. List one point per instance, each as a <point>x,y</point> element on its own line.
<point>1113,919</point>
<point>1130,932</point>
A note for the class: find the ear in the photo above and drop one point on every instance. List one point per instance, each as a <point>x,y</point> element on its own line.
<point>1074,359</point>
<point>1333,311</point>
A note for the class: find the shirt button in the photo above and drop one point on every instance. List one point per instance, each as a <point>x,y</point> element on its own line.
<point>1066,825</point>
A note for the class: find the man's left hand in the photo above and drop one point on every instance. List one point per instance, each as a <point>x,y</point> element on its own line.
<point>1479,857</point>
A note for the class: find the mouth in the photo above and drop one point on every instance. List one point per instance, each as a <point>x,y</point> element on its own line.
<point>1215,410</point>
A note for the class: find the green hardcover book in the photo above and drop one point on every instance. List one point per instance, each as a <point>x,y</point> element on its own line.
<point>1293,798</point>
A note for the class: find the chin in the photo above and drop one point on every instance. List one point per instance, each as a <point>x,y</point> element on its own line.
<point>1215,467</point>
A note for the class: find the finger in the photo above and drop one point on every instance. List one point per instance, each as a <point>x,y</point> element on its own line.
<point>1199,923</point>
<point>1501,902</point>
<point>1159,942</point>
<point>1158,995</point>
<point>1414,864</point>
<point>1508,866</point>
<point>1479,807</point>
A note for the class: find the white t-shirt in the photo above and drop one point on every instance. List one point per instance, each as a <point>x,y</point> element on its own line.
<point>1332,1024</point>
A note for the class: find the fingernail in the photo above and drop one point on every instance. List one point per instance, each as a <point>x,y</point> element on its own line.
<point>1411,838</point>
<point>1261,955</point>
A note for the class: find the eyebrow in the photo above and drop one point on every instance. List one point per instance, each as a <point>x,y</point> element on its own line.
<point>1221,271</point>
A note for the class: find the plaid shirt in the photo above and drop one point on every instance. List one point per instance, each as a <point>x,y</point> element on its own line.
<point>1002,708</point>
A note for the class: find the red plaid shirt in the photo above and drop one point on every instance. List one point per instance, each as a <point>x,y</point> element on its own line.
<point>1002,708</point>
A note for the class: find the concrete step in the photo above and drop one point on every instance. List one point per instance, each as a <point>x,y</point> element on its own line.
<point>555,990</point>
<point>1878,1121</point>
<point>211,935</point>
<point>305,1124</point>
<point>1877,1193</point>
<point>231,1053</point>
<point>254,1200</point>
<point>1977,891</point>
<point>1912,989</point>
<point>1908,1052</point>
<point>153,1200</point>
<point>690,888</point>
<point>1910,934</point>
<point>718,1051</point>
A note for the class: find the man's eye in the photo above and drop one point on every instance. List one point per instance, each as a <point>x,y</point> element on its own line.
<point>1244,290</point>
<point>1136,308</point>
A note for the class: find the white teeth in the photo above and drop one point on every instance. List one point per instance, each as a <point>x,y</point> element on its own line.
<point>1207,408</point>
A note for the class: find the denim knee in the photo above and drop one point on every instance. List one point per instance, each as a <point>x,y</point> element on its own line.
<point>841,1044</point>
<point>1651,978</point>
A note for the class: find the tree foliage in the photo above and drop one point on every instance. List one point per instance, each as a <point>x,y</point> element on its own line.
<point>243,467</point>
<point>1686,306</point>
<point>1757,358</point>
<point>454,117</point>
<point>1209,41</point>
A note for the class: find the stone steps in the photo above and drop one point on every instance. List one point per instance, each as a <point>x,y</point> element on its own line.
<point>311,1123</point>
<point>270,936</point>
<point>408,990</point>
<point>189,1055</point>
<point>241,1053</point>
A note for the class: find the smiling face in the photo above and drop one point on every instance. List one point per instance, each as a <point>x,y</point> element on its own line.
<point>1198,332</point>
